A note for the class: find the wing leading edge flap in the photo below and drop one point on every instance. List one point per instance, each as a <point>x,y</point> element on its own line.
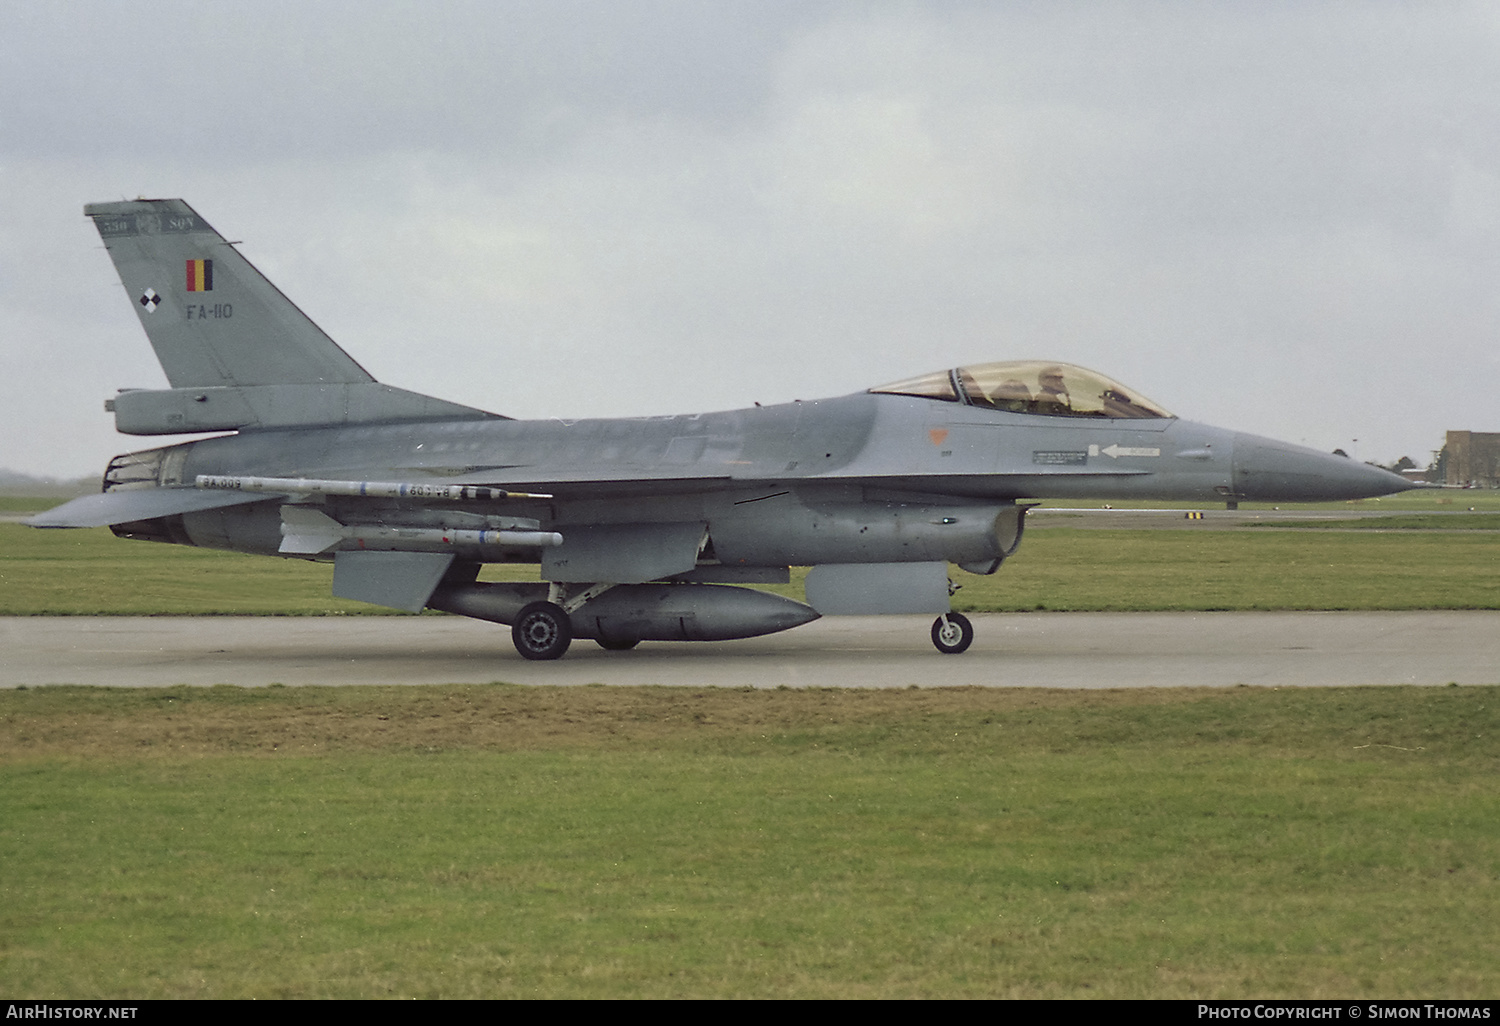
<point>127,505</point>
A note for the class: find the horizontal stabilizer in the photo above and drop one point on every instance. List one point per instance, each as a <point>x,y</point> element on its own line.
<point>127,505</point>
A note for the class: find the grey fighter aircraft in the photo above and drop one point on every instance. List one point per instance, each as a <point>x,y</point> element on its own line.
<point>641,526</point>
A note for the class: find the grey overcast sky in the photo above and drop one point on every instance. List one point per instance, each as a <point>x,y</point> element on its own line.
<point>1277,217</point>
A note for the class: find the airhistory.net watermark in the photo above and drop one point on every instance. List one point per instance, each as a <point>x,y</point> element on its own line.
<point>54,1010</point>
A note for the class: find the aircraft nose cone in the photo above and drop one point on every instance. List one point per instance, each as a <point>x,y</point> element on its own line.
<point>1271,471</point>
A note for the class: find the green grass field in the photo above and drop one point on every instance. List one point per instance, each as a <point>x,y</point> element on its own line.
<point>1399,522</point>
<point>1059,568</point>
<point>1080,569</point>
<point>502,841</point>
<point>1447,500</point>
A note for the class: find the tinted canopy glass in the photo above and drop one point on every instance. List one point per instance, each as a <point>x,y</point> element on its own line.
<point>1032,386</point>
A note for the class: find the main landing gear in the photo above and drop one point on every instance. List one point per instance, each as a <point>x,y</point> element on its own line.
<point>542,630</point>
<point>952,633</point>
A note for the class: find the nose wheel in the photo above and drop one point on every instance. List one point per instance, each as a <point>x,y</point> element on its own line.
<point>952,633</point>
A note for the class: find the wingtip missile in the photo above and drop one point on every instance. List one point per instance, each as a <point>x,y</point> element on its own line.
<point>368,489</point>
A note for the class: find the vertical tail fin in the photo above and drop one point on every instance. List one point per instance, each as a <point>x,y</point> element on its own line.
<point>237,352</point>
<point>212,318</point>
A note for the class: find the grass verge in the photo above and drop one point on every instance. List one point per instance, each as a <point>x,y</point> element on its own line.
<point>1399,522</point>
<point>494,841</point>
<point>1060,568</point>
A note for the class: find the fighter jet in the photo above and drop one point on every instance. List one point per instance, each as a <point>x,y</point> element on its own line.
<point>641,527</point>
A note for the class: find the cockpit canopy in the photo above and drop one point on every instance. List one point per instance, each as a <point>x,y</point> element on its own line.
<point>1031,386</point>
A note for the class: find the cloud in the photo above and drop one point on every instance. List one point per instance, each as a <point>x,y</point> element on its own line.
<point>1279,219</point>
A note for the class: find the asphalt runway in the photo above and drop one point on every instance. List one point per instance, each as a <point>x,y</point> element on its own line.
<point>1055,650</point>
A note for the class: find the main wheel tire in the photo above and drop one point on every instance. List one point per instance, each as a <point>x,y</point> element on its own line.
<point>618,644</point>
<point>952,633</point>
<point>542,630</point>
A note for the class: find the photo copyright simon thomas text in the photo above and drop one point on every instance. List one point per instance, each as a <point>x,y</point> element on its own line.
<point>1377,1010</point>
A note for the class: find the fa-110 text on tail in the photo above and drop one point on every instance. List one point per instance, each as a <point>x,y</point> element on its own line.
<point>642,527</point>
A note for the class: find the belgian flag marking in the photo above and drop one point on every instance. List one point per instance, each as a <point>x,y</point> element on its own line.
<point>200,275</point>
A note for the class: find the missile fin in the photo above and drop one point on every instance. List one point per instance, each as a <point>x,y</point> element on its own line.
<point>307,532</point>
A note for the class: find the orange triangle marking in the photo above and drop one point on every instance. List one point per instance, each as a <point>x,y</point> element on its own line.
<point>937,435</point>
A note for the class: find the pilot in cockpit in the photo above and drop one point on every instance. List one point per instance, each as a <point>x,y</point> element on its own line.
<point>1012,395</point>
<point>1052,393</point>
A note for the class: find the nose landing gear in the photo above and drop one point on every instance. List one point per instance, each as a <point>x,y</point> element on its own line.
<point>952,633</point>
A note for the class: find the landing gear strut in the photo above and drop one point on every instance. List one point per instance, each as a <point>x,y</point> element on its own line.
<point>952,633</point>
<point>542,630</point>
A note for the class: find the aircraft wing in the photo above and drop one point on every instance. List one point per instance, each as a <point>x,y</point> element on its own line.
<point>126,505</point>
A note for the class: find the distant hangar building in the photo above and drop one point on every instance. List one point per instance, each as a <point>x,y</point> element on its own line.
<point>1472,457</point>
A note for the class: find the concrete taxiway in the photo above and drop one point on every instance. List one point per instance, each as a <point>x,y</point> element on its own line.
<point>1060,650</point>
